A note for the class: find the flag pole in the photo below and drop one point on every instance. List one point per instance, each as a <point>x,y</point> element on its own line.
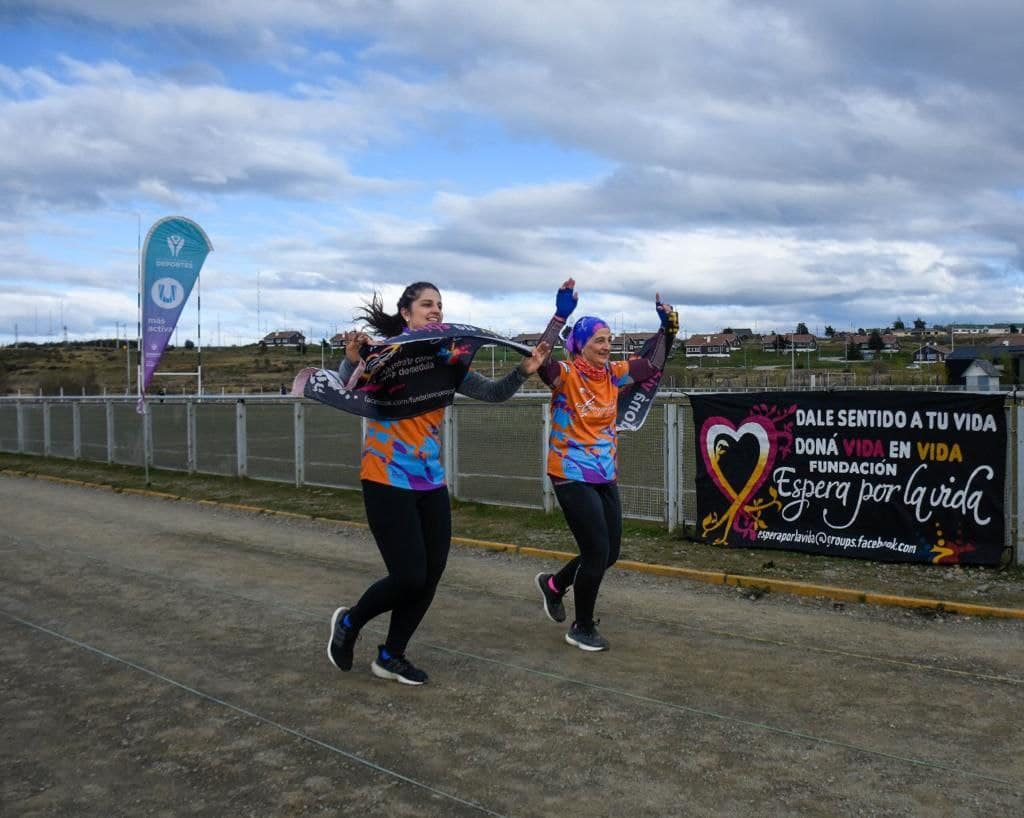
<point>199,335</point>
<point>138,349</point>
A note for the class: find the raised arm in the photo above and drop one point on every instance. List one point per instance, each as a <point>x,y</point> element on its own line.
<point>640,369</point>
<point>565,303</point>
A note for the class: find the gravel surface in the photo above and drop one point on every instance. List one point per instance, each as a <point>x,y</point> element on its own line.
<point>164,658</point>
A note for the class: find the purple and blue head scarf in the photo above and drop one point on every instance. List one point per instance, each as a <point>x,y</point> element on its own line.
<point>582,331</point>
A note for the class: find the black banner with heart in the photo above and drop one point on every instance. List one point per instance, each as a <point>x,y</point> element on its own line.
<point>887,476</point>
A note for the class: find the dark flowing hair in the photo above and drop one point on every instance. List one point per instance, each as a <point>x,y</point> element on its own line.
<point>386,325</point>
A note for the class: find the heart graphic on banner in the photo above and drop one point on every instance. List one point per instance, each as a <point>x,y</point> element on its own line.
<point>738,459</point>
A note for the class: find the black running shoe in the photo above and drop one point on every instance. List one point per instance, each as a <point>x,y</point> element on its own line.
<point>342,641</point>
<point>586,637</point>
<point>397,668</point>
<point>553,606</point>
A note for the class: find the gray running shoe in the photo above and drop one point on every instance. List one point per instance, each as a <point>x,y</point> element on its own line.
<point>342,641</point>
<point>586,637</point>
<point>397,668</point>
<point>553,606</point>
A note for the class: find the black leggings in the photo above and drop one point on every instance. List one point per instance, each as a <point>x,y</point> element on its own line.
<point>413,530</point>
<point>594,514</point>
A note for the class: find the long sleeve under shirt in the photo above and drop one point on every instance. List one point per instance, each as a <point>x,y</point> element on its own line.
<point>407,453</point>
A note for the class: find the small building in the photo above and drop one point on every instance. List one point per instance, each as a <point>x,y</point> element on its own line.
<point>890,343</point>
<point>284,338</point>
<point>742,333</point>
<point>981,376</point>
<point>530,339</point>
<point>930,354</point>
<point>718,345</point>
<point>801,342</point>
<point>793,342</point>
<point>770,343</point>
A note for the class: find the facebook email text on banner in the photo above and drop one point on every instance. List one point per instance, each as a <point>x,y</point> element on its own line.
<point>893,476</point>
<point>172,257</point>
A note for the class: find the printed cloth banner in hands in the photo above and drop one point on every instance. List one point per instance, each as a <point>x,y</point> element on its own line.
<point>407,375</point>
<point>888,476</point>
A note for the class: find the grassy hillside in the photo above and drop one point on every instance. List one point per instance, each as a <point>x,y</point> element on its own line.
<point>97,368</point>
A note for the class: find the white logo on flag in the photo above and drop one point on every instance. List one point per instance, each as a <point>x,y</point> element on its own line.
<point>175,243</point>
<point>167,293</point>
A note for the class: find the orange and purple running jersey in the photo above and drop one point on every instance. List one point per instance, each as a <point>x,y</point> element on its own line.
<point>404,453</point>
<point>583,440</point>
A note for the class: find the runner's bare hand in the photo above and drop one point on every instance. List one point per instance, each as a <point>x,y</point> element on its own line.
<point>354,341</point>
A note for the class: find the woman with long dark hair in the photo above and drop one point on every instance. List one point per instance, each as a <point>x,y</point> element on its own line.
<point>583,463</point>
<point>405,493</point>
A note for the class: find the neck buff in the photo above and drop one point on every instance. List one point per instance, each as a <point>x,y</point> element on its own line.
<point>582,331</point>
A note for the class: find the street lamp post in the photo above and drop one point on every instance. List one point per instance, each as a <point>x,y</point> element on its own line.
<point>792,361</point>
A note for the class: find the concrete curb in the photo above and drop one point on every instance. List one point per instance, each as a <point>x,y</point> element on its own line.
<point>711,577</point>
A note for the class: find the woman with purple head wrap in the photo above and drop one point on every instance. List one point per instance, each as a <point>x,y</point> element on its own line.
<point>582,458</point>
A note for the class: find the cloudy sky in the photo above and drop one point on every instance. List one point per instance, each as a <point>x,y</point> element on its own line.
<point>759,163</point>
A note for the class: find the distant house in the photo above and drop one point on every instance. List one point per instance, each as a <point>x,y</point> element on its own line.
<point>930,354</point>
<point>716,345</point>
<point>890,343</point>
<point>284,338</point>
<point>530,339</point>
<point>802,342</point>
<point>743,333</point>
<point>632,342</point>
<point>793,342</point>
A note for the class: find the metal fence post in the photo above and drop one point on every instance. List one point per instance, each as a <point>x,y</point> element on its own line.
<point>671,443</point>
<point>190,437</point>
<point>299,416</point>
<point>451,451</point>
<point>21,428</point>
<point>76,430</point>
<point>46,428</point>
<point>548,493</point>
<point>1019,555</point>
<point>240,439</point>
<point>147,437</point>
<point>110,431</point>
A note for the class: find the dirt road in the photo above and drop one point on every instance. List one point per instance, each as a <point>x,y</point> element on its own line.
<point>162,658</point>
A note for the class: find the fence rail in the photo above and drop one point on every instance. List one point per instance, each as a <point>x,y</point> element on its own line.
<point>493,453</point>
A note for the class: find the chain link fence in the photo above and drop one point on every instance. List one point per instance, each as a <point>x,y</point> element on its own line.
<point>494,453</point>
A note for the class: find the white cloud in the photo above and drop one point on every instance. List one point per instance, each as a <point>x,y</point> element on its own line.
<point>786,161</point>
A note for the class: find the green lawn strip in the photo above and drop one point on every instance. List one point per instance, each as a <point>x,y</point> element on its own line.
<point>642,541</point>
